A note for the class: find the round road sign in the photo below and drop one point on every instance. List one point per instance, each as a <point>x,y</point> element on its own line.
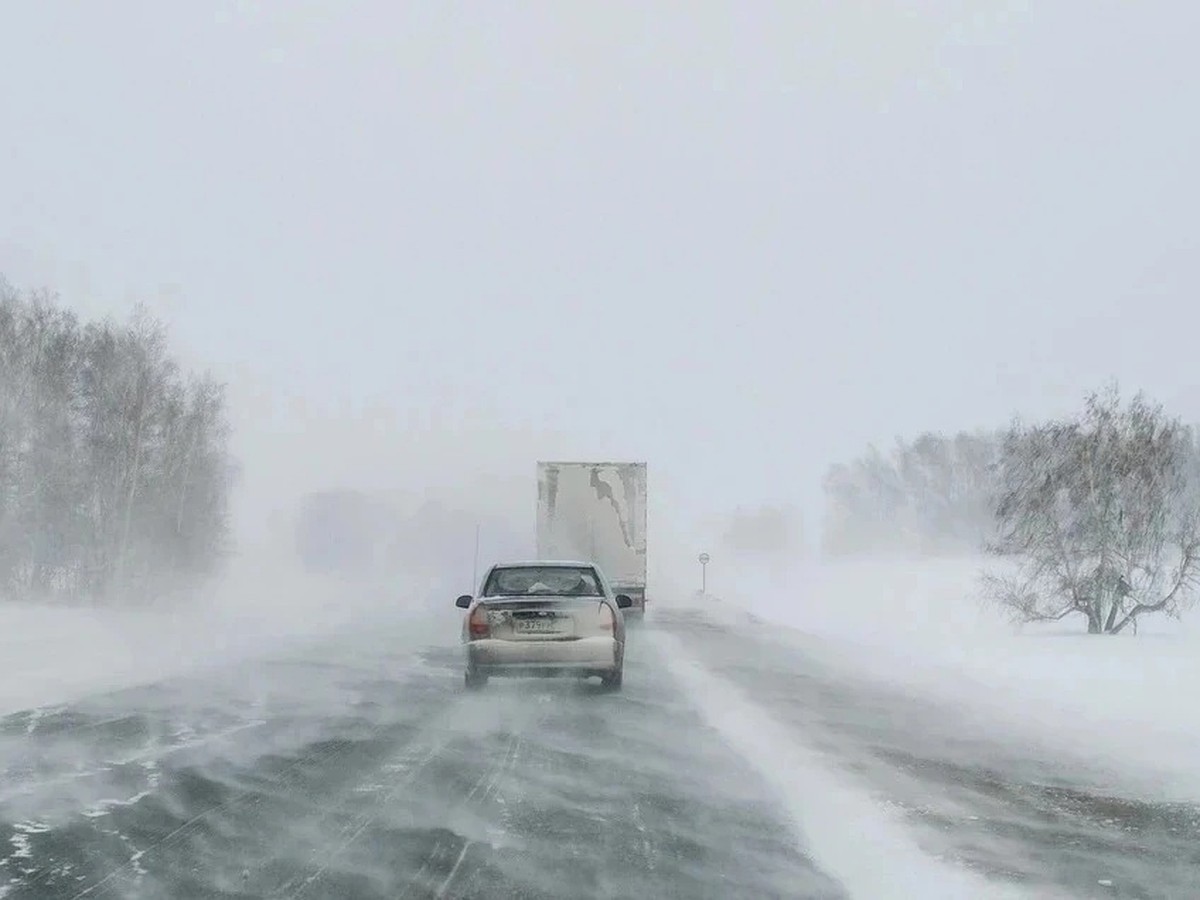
<point>704,557</point>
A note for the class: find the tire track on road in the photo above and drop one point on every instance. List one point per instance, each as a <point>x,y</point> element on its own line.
<point>450,744</point>
<point>630,796</point>
<point>208,822</point>
<point>488,783</point>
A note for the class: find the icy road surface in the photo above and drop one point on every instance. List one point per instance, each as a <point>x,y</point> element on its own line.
<point>736,764</point>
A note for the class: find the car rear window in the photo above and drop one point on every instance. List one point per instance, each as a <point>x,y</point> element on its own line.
<point>520,581</point>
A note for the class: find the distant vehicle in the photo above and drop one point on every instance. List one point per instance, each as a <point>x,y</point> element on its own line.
<point>544,618</point>
<point>596,511</point>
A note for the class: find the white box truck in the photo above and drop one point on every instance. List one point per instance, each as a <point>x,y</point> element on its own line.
<point>596,511</point>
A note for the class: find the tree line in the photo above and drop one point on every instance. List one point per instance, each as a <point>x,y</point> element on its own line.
<point>115,473</point>
<point>934,494</point>
<point>1096,515</point>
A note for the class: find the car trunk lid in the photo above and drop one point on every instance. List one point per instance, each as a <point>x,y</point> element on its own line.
<point>548,618</point>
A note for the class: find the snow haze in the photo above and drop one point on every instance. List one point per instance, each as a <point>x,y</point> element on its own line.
<point>738,244</point>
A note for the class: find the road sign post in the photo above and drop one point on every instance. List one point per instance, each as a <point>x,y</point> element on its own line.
<point>704,558</point>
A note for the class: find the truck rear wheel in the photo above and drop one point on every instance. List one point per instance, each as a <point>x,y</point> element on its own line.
<point>612,681</point>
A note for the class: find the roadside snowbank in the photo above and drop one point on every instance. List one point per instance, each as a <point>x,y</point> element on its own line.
<point>53,655</point>
<point>1126,702</point>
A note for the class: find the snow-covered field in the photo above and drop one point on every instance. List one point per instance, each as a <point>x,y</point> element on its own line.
<point>1126,702</point>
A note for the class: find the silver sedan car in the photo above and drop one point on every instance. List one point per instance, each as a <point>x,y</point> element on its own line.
<point>544,619</point>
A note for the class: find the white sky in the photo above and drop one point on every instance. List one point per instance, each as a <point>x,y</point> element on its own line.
<point>433,242</point>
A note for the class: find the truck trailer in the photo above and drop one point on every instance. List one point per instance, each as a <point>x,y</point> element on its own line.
<point>596,511</point>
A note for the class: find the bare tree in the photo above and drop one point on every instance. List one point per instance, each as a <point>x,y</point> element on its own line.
<point>1100,515</point>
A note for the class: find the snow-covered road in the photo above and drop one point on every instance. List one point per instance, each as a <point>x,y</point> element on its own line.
<point>736,763</point>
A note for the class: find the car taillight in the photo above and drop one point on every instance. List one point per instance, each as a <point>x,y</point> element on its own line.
<point>608,619</point>
<point>478,623</point>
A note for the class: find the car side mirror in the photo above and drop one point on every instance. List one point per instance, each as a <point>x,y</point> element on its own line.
<point>464,601</point>
<point>624,601</point>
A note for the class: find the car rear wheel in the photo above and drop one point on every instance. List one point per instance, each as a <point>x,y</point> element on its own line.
<point>474,681</point>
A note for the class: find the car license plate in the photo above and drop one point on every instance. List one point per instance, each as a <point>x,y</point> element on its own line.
<point>539,626</point>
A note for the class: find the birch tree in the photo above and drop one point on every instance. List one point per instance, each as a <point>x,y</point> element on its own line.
<point>114,468</point>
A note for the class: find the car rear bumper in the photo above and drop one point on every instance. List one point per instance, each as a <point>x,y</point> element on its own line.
<point>499,657</point>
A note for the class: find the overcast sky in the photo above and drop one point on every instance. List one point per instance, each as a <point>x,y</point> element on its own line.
<point>432,242</point>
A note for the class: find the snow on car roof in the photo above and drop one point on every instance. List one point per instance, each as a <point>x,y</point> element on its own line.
<point>546,564</point>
